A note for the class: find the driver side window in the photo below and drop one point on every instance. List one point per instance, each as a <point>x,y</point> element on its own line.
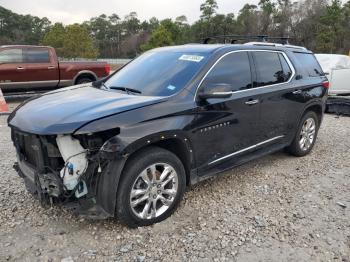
<point>231,71</point>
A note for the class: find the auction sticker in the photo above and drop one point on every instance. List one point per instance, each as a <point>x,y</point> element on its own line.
<point>192,58</point>
<point>171,87</point>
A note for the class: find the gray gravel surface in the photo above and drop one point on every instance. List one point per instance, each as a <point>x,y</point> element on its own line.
<point>278,208</point>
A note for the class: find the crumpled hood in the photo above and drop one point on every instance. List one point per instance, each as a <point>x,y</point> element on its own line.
<point>64,111</point>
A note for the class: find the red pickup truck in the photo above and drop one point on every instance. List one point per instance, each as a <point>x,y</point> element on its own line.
<point>24,67</point>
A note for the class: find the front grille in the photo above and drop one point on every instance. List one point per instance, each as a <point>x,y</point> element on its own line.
<point>41,152</point>
<point>25,144</point>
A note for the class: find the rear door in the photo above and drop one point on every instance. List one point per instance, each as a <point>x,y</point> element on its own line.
<point>226,128</point>
<point>40,68</point>
<point>278,94</point>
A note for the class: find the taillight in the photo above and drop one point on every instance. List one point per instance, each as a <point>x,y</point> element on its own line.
<point>325,84</point>
<point>107,69</point>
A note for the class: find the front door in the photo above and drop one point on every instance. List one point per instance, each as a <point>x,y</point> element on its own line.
<point>226,128</point>
<point>11,68</point>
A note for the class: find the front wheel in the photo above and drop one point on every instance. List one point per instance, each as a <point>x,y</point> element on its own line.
<point>306,135</point>
<point>152,185</point>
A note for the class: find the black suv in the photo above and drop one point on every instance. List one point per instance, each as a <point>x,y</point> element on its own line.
<point>129,145</point>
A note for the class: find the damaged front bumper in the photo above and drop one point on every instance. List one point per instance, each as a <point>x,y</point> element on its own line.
<point>39,164</point>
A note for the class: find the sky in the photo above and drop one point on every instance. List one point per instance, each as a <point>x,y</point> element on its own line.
<point>77,11</point>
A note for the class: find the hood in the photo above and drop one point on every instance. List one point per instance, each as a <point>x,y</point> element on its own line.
<point>64,111</point>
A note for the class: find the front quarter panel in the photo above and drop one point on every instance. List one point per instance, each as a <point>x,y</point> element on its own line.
<point>148,125</point>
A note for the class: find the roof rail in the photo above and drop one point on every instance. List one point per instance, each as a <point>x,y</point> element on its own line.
<point>260,38</point>
<point>276,44</point>
<point>261,43</point>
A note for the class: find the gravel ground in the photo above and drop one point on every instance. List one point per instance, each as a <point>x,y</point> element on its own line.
<point>278,208</point>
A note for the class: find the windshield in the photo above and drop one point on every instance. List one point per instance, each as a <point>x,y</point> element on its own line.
<point>160,73</point>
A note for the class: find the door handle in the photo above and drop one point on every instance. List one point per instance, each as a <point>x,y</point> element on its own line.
<point>51,67</point>
<point>20,68</point>
<point>297,92</point>
<point>252,102</point>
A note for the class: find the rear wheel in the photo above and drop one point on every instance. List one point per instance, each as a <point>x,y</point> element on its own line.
<point>84,80</point>
<point>306,135</point>
<point>151,188</point>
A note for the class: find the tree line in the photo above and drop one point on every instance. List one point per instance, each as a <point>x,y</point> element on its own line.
<point>320,25</point>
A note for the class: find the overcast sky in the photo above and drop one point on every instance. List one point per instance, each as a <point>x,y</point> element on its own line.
<point>71,11</point>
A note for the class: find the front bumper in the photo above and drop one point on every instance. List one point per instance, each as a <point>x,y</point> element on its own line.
<point>44,182</point>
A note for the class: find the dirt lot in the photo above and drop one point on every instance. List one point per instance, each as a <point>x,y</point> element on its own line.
<point>278,208</point>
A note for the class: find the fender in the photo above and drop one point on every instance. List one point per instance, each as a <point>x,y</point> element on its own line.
<point>124,147</point>
<point>310,104</point>
<point>320,102</point>
<point>109,181</point>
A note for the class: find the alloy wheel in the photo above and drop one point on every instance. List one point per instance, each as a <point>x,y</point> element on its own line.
<point>307,134</point>
<point>153,191</point>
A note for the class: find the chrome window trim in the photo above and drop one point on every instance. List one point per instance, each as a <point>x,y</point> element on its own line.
<point>246,149</point>
<point>250,89</point>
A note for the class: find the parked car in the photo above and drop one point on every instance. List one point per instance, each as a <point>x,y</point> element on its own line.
<point>337,69</point>
<point>129,145</point>
<point>24,67</point>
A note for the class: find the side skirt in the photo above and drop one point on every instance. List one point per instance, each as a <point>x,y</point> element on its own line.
<point>235,162</point>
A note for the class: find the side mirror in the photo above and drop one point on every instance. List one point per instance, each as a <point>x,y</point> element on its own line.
<point>99,82</point>
<point>217,91</point>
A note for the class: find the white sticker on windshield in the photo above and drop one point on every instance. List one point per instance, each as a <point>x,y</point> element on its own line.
<point>171,87</point>
<point>192,58</point>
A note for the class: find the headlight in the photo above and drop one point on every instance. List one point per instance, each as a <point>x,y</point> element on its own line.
<point>111,146</point>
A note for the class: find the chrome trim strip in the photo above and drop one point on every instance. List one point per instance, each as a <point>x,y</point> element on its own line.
<point>223,93</point>
<point>246,149</point>
<point>250,89</point>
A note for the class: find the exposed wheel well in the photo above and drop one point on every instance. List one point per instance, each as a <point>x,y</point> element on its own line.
<point>178,148</point>
<point>85,75</point>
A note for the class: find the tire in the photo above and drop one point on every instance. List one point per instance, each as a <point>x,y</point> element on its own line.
<point>150,162</point>
<point>83,80</point>
<point>297,148</point>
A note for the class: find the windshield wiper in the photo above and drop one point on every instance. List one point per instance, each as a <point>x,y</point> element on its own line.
<point>125,89</point>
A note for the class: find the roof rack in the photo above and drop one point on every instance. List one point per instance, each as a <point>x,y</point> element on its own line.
<point>276,45</point>
<point>260,38</point>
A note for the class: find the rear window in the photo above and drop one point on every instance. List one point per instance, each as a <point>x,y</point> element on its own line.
<point>271,68</point>
<point>310,64</point>
<point>37,55</point>
<point>11,56</point>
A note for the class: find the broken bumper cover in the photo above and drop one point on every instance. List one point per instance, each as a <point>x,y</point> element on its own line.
<point>99,203</point>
